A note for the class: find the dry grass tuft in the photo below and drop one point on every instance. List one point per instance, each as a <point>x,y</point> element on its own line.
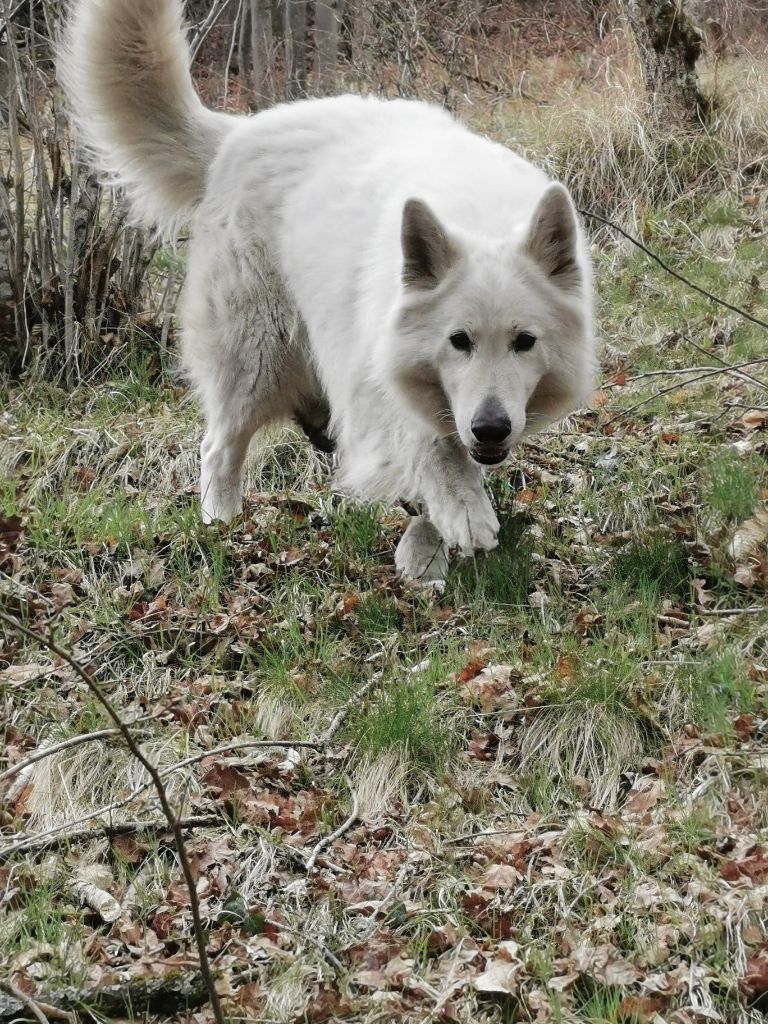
<point>380,785</point>
<point>578,741</point>
<point>617,163</point>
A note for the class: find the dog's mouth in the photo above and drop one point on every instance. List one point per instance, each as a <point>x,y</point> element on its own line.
<point>488,454</point>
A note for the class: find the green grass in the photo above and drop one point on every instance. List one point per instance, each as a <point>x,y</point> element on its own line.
<point>48,918</point>
<point>692,831</point>
<point>653,569</point>
<point>501,577</point>
<point>378,615</point>
<point>715,691</point>
<point>68,523</point>
<point>357,532</point>
<point>731,486</point>
<point>599,1004</point>
<point>407,718</point>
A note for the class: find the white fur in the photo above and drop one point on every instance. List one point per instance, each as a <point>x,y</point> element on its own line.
<point>312,280</point>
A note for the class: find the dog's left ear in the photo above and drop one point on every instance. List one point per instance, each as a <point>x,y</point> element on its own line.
<point>552,237</point>
<point>428,252</point>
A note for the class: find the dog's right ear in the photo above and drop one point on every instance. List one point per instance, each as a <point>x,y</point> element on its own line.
<point>428,252</point>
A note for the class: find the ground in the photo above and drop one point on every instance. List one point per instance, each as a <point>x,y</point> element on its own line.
<point>549,780</point>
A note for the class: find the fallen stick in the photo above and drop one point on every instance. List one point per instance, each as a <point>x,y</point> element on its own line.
<point>37,1008</point>
<point>327,841</point>
<point>341,715</point>
<point>77,837</point>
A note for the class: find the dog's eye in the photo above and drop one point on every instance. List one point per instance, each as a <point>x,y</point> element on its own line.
<point>524,342</point>
<point>461,341</point>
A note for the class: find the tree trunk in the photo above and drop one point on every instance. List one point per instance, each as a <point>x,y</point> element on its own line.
<point>363,29</point>
<point>261,52</point>
<point>669,47</point>
<point>7,304</point>
<point>346,16</point>
<point>296,50</point>
<point>326,44</point>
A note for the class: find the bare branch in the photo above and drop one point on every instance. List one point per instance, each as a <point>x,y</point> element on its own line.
<point>327,841</point>
<point>77,837</point>
<point>40,1011</point>
<point>173,821</point>
<point>673,273</point>
<point>73,741</point>
<point>26,842</point>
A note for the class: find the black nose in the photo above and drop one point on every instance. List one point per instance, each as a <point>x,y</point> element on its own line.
<point>491,424</point>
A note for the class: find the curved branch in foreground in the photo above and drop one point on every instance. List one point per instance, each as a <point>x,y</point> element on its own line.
<point>154,774</point>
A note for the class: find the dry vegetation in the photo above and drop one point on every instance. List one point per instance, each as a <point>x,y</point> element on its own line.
<point>537,796</point>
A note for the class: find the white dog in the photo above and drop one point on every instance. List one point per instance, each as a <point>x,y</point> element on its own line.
<point>418,294</point>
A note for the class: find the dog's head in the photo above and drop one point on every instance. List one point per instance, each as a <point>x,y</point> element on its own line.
<point>493,338</point>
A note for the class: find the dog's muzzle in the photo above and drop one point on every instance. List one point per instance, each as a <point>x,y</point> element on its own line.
<point>489,455</point>
<point>491,428</point>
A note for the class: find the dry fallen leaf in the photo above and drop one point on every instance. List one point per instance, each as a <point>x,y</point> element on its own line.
<point>500,876</point>
<point>750,536</point>
<point>645,794</point>
<point>499,976</point>
<point>754,866</point>
<point>755,980</point>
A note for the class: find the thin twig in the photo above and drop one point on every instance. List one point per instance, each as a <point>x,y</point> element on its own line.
<point>173,821</point>
<point>495,832</point>
<point>658,394</point>
<point>121,828</point>
<point>40,1011</point>
<point>73,741</point>
<point>43,752</point>
<point>202,31</point>
<point>327,841</point>
<point>673,273</point>
<point>680,370</point>
<point>22,842</point>
<point>341,715</point>
<point>727,367</point>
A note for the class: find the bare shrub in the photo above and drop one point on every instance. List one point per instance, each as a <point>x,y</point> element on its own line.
<point>71,268</point>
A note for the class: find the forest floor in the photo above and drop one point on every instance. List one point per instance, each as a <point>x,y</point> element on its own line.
<point>553,774</point>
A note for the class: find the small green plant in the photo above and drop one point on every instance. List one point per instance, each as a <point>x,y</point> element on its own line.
<point>731,487</point>
<point>68,521</point>
<point>712,694</point>
<point>653,569</point>
<point>692,831</point>
<point>357,530</point>
<point>378,614</point>
<point>601,1004</point>
<point>407,718</point>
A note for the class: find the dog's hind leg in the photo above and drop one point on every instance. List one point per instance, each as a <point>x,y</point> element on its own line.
<point>238,403</point>
<point>246,351</point>
<point>421,555</point>
<point>222,463</point>
<point>248,388</point>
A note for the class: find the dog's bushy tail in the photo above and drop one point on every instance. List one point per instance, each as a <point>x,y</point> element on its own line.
<point>124,65</point>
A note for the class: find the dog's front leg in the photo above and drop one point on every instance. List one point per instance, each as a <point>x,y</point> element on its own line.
<point>455,499</point>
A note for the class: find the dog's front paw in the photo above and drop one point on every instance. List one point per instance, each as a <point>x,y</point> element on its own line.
<point>469,525</point>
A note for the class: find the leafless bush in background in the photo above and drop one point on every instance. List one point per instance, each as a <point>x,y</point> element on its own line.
<point>70,268</point>
<point>76,281</point>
